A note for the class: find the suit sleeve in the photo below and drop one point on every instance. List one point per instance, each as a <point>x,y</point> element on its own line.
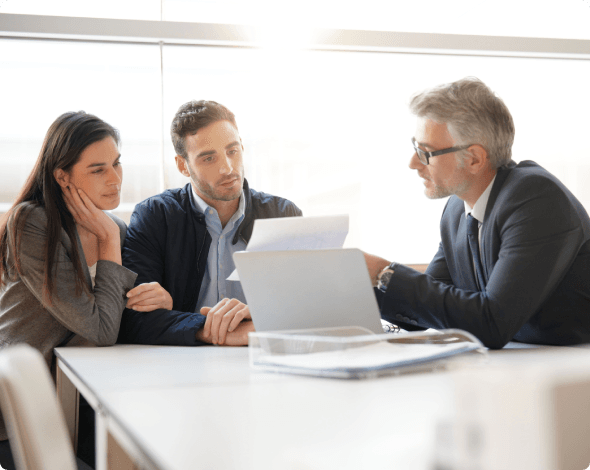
<point>144,253</point>
<point>438,268</point>
<point>540,235</point>
<point>95,316</point>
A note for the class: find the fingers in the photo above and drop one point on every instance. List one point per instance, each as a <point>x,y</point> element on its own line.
<point>242,314</point>
<point>228,313</point>
<point>205,310</point>
<point>207,328</point>
<point>86,201</point>
<point>239,337</point>
<point>208,320</point>
<point>236,314</point>
<point>144,308</point>
<point>149,296</point>
<point>79,203</point>
<point>70,203</point>
<point>145,290</point>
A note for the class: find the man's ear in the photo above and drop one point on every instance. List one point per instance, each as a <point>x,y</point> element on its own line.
<point>62,178</point>
<point>182,165</point>
<point>477,159</point>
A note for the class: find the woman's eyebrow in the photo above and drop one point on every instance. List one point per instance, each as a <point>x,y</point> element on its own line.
<point>92,165</point>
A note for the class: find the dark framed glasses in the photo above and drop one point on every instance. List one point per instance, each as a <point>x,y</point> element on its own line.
<point>425,157</point>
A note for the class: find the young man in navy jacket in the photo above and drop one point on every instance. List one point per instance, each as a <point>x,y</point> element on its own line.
<point>180,242</point>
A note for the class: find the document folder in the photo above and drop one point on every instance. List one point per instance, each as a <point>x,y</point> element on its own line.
<point>356,353</point>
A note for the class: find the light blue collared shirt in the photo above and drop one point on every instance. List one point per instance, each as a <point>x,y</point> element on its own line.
<point>220,263</point>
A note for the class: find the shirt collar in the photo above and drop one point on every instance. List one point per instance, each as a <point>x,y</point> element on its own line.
<point>478,211</point>
<point>206,209</point>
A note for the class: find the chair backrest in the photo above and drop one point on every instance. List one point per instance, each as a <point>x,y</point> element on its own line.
<point>32,414</point>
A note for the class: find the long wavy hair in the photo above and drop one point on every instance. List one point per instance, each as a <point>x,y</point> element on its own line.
<point>68,136</point>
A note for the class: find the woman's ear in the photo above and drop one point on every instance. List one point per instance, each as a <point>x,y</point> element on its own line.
<point>62,178</point>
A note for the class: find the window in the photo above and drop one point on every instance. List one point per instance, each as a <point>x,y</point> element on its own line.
<point>119,83</point>
<point>119,9</point>
<point>329,130</point>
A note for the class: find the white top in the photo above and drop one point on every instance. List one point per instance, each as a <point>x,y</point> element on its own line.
<point>92,270</point>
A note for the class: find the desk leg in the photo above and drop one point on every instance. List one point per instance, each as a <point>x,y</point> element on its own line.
<point>101,441</point>
<point>69,398</point>
<point>109,453</point>
<point>117,458</point>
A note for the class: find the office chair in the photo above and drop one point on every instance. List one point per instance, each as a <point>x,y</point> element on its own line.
<point>32,414</point>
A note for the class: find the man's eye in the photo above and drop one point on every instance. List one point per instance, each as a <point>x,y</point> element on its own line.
<point>98,171</point>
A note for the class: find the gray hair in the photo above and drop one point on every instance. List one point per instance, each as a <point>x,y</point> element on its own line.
<point>473,115</point>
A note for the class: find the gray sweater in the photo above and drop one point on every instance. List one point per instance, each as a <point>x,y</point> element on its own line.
<point>83,319</point>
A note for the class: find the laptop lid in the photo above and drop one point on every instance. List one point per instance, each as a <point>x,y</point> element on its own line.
<point>288,290</point>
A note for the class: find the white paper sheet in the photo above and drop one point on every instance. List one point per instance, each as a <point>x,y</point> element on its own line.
<point>297,233</point>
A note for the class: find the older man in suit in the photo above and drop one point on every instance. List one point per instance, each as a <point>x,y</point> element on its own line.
<point>514,259</point>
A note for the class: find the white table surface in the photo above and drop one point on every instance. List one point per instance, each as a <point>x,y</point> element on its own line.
<point>204,407</point>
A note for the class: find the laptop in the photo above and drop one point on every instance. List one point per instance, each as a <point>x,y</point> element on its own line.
<point>292,290</point>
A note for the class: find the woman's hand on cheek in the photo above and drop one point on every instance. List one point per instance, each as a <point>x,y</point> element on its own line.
<point>88,216</point>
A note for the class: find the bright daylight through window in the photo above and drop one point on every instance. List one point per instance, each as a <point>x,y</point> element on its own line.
<point>328,129</point>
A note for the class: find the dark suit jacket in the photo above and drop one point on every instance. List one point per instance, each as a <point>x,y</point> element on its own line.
<point>535,246</point>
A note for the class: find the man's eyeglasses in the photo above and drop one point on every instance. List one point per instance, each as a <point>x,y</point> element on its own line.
<point>425,157</point>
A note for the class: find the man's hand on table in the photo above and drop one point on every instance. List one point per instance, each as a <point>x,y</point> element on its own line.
<point>225,323</point>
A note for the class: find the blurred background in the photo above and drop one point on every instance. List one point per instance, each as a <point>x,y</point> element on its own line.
<point>320,90</point>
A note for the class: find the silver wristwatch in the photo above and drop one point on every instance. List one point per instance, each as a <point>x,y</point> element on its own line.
<point>384,277</point>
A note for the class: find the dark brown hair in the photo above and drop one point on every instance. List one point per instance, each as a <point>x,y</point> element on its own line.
<point>64,142</point>
<point>196,115</point>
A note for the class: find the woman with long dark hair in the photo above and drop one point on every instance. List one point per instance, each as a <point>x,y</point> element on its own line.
<point>61,278</point>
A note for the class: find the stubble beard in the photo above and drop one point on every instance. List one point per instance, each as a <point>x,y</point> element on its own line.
<point>439,192</point>
<point>214,194</point>
<point>457,189</point>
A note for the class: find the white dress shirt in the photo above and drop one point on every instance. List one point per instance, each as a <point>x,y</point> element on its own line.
<point>478,211</point>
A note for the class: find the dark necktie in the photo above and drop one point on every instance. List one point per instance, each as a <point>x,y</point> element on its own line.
<point>473,238</point>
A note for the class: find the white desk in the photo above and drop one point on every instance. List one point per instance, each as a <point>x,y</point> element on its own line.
<point>180,408</point>
<point>189,408</point>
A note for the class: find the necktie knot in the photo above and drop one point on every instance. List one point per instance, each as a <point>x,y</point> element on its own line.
<point>472,225</point>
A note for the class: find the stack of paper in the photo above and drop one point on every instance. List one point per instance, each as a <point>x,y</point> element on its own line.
<point>356,356</point>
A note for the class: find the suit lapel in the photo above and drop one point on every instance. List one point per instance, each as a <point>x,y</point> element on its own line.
<point>501,176</point>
